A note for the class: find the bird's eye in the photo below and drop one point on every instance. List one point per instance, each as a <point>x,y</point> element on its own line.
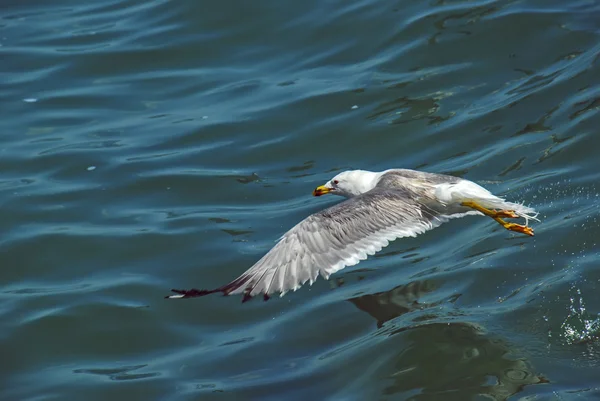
<point>335,182</point>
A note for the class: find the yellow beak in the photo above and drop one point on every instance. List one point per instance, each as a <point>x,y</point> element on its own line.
<point>321,190</point>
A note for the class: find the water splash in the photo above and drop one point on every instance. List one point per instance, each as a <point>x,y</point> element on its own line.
<point>580,327</point>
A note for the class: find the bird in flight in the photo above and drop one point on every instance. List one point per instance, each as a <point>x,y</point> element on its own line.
<point>381,207</point>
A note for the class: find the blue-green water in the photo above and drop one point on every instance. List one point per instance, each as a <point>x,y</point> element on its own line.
<point>150,145</point>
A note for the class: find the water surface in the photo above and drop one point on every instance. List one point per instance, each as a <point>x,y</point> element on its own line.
<point>156,144</point>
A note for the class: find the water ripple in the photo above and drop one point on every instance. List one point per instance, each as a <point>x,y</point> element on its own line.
<point>154,144</point>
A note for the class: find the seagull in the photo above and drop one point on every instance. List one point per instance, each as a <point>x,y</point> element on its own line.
<point>380,207</point>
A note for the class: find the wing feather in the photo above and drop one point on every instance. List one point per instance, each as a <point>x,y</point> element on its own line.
<point>337,237</point>
<point>327,241</point>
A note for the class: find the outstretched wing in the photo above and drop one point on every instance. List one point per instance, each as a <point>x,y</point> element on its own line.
<point>327,241</point>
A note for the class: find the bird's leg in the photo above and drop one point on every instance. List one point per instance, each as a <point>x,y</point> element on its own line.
<point>497,216</point>
<point>491,213</point>
<point>514,227</point>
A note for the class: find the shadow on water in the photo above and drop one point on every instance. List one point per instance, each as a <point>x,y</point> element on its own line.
<point>454,360</point>
<point>387,305</point>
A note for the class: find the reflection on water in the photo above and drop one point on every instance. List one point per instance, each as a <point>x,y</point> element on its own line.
<point>453,360</point>
<point>458,361</point>
<point>387,305</point>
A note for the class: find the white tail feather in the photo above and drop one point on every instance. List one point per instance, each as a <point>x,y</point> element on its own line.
<point>521,210</point>
<point>469,191</point>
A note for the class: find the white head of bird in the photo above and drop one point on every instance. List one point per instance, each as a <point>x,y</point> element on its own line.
<point>349,183</point>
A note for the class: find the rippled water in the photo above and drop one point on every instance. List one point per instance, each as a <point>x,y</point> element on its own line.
<point>156,144</point>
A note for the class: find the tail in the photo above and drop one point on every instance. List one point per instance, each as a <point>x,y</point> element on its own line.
<point>465,190</point>
<point>526,212</point>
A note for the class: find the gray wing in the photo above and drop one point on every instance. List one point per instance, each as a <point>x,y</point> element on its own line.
<point>339,236</point>
<point>327,241</point>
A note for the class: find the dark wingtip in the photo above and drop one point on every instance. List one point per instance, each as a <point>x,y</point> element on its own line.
<point>247,297</point>
<point>226,290</point>
<point>193,293</point>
